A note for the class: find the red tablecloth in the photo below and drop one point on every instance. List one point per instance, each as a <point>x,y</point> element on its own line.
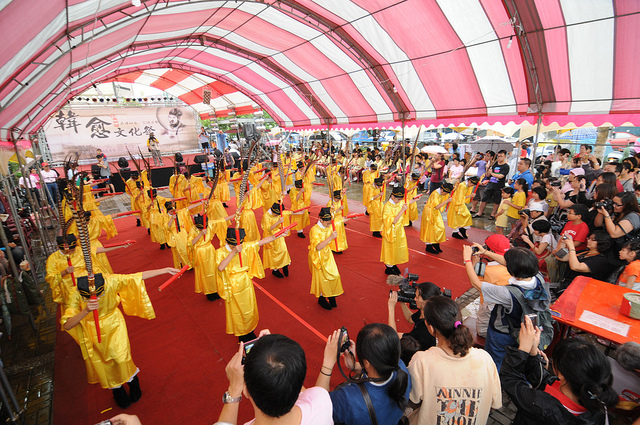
<point>598,297</point>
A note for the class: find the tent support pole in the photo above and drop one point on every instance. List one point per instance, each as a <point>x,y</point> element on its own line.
<point>535,142</point>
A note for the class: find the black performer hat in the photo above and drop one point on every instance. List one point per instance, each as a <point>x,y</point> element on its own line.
<point>71,241</point>
<point>373,166</point>
<point>415,176</point>
<point>447,187</point>
<point>299,164</point>
<point>378,181</point>
<point>398,192</point>
<point>134,175</point>
<point>275,208</point>
<point>155,192</point>
<point>474,179</point>
<point>169,205</point>
<point>325,213</point>
<point>87,215</point>
<point>83,285</point>
<point>337,194</point>
<point>198,221</point>
<point>231,236</point>
<point>298,184</point>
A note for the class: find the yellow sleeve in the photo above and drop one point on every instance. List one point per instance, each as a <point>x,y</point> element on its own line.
<point>251,254</point>
<point>316,236</point>
<point>53,277</point>
<point>133,294</point>
<point>388,215</point>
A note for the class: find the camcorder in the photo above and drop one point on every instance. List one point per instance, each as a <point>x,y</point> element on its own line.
<point>606,203</point>
<point>407,288</point>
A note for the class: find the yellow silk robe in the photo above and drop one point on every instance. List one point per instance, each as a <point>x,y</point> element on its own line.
<point>236,288</point>
<point>60,286</point>
<point>338,221</point>
<point>432,225</point>
<point>375,208</point>
<point>177,185</point>
<point>222,188</point>
<point>325,278</point>
<point>248,221</point>
<point>204,262</point>
<point>158,218</point>
<point>412,190</point>
<point>458,214</point>
<point>367,180</point>
<point>179,240</point>
<point>275,255</point>
<point>270,194</point>
<point>394,240</point>
<point>111,358</point>
<point>196,189</point>
<point>97,259</point>
<point>302,219</point>
<point>133,191</point>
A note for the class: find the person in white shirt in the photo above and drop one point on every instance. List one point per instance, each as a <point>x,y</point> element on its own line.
<point>50,177</point>
<point>31,183</point>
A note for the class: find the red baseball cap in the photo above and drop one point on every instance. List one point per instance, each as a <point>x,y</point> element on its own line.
<point>498,244</point>
<point>45,164</point>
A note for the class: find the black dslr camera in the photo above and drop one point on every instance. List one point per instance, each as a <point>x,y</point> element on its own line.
<point>407,289</point>
<point>606,203</point>
<point>525,211</point>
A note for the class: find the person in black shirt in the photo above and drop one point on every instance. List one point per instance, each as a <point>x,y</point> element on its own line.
<point>497,174</point>
<point>424,291</point>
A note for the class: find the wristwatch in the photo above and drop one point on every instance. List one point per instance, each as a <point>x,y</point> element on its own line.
<point>226,398</point>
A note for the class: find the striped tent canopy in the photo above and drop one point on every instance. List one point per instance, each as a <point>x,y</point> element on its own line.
<point>336,62</point>
<point>189,87</point>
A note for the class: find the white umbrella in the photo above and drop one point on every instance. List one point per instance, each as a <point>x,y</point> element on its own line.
<point>452,136</point>
<point>433,149</point>
<point>491,143</point>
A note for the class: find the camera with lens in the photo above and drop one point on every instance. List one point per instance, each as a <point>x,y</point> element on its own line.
<point>555,184</point>
<point>606,203</point>
<point>407,289</point>
<point>526,212</point>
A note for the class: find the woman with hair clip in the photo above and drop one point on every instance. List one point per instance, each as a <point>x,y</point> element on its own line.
<point>579,393</point>
<point>452,382</point>
<point>625,219</point>
<point>382,376</point>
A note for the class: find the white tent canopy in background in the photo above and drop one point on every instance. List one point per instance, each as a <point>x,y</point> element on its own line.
<point>334,63</point>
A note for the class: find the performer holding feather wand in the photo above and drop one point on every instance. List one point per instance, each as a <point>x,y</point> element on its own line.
<point>102,335</point>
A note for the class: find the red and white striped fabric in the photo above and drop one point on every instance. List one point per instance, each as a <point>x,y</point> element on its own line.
<point>310,63</point>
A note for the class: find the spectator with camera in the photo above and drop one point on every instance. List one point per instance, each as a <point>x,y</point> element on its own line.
<point>624,223</point>
<point>452,376</point>
<point>105,171</point>
<point>423,291</point>
<point>270,374</point>
<point>544,241</point>
<point>591,263</point>
<point>380,390</point>
<point>602,197</point>
<point>578,392</point>
<point>576,194</point>
<point>526,293</point>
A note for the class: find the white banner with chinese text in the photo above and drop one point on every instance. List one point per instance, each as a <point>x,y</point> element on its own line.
<point>82,131</point>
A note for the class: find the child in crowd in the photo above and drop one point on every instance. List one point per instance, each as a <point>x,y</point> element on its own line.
<point>502,220</point>
<point>630,252</point>
<point>546,243</point>
<point>539,195</point>
<point>517,201</point>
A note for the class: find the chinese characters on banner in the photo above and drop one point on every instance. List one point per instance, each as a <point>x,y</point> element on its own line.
<point>115,129</point>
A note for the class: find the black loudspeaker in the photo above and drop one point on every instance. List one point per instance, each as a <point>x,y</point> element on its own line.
<point>250,131</point>
<point>122,162</point>
<point>95,170</point>
<point>199,159</point>
<point>178,157</point>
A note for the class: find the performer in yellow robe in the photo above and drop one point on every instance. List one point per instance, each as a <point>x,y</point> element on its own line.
<point>248,217</point>
<point>270,191</point>
<point>194,191</point>
<point>58,274</point>
<point>275,255</point>
<point>432,230</point>
<point>235,285</point>
<point>300,198</point>
<point>178,188</point>
<point>394,249</point>
<point>204,259</point>
<point>458,215</point>
<point>132,188</point>
<point>411,187</point>
<point>111,358</point>
<point>326,284</point>
<point>177,235</point>
<point>215,211</point>
<point>337,207</point>
<point>377,198</point>
<point>222,188</point>
<point>158,218</point>
<point>367,179</point>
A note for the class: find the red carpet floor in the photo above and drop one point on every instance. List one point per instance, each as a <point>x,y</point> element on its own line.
<point>183,352</point>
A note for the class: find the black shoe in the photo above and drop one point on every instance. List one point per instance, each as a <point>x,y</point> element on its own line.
<point>121,397</point>
<point>301,235</point>
<point>456,235</point>
<point>437,247</point>
<point>366,213</point>
<point>389,270</point>
<point>138,224</point>
<point>338,252</point>
<point>134,389</point>
<point>345,224</point>
<point>332,302</point>
<point>277,273</point>
<point>431,250</point>
<point>285,270</point>
<point>410,223</point>
<point>148,231</point>
<point>162,246</point>
<point>213,297</point>
<point>376,235</point>
<point>324,303</point>
<point>248,337</point>
<point>397,270</point>
<point>225,205</point>
<point>463,232</point>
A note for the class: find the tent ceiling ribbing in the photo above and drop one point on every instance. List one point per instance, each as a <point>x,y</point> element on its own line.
<point>311,63</point>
